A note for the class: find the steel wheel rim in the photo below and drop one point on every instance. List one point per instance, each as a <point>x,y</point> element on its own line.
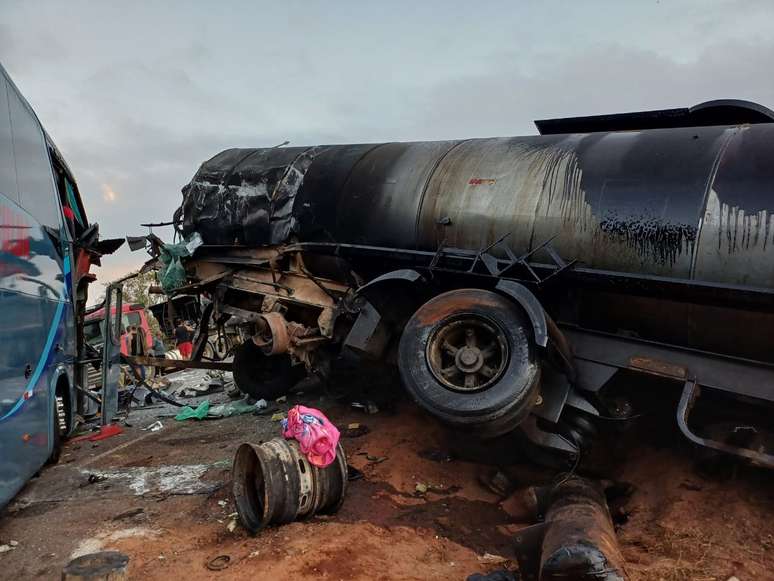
<point>467,353</point>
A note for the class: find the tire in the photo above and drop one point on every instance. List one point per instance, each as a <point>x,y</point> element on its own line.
<point>439,351</point>
<point>261,376</point>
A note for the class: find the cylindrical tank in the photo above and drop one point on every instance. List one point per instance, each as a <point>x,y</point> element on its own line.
<point>690,203</point>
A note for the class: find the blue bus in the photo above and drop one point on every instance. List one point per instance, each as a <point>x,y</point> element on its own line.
<point>46,249</point>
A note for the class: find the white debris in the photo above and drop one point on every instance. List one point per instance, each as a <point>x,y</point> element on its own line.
<point>178,479</point>
<point>101,540</point>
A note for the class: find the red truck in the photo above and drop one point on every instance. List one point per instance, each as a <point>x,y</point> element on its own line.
<point>132,315</point>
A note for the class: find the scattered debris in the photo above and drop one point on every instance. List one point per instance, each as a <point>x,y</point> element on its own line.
<point>421,488</point>
<point>187,412</point>
<point>369,407</point>
<point>218,563</point>
<point>278,417</point>
<point>226,410</point>
<point>261,404</point>
<point>169,479</point>
<point>102,434</point>
<point>154,427</point>
<point>97,542</point>
<point>355,430</point>
<point>94,478</point>
<point>490,558</point>
<point>281,399</point>
<point>103,565</point>
<point>129,513</point>
<point>6,548</point>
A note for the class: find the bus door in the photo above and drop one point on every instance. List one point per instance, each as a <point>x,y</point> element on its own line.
<point>111,352</point>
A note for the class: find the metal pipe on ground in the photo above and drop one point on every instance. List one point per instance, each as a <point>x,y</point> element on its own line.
<point>274,483</point>
<point>576,542</point>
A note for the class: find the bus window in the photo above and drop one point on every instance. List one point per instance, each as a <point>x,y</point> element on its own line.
<point>132,318</point>
<point>7,170</point>
<point>33,167</point>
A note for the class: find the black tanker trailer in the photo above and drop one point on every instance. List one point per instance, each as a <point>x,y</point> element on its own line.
<point>510,278</point>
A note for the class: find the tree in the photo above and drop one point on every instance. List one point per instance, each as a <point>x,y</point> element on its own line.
<point>136,291</point>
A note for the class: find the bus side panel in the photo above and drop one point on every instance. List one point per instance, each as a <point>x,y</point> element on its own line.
<point>33,310</point>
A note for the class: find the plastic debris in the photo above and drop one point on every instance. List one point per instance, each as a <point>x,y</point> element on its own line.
<point>281,399</point>
<point>187,412</point>
<point>278,417</point>
<point>490,558</point>
<point>421,488</point>
<point>234,408</point>
<point>102,434</point>
<point>261,404</point>
<point>5,548</point>
<point>315,433</point>
<point>154,427</point>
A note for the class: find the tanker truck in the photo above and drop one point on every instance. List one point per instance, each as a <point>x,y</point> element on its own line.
<point>511,279</point>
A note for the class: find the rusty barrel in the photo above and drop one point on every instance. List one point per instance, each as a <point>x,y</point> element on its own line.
<point>274,483</point>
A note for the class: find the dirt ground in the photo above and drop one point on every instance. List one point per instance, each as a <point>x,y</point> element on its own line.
<point>164,500</point>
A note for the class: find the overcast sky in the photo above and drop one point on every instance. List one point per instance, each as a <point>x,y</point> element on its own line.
<point>138,94</point>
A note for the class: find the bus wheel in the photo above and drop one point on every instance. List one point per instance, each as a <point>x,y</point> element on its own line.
<point>467,357</point>
<point>261,376</point>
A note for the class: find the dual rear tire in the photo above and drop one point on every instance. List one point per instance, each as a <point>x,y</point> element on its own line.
<point>468,358</point>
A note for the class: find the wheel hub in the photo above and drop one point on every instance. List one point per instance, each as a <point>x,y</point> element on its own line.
<point>469,360</point>
<point>467,353</point>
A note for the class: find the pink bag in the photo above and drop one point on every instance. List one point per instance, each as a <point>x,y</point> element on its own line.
<point>315,433</point>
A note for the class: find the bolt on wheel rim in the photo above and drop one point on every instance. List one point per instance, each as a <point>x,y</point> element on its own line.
<point>467,353</point>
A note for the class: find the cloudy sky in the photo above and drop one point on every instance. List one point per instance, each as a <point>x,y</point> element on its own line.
<point>138,94</point>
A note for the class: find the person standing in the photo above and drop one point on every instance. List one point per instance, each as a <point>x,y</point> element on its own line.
<point>183,339</point>
<point>158,349</point>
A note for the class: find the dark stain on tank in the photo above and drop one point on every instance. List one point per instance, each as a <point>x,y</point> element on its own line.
<point>654,240</point>
<point>635,225</point>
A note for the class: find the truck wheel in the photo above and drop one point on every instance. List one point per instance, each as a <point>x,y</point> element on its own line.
<point>261,376</point>
<point>467,357</point>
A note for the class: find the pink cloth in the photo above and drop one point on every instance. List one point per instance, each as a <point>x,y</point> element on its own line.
<point>315,433</point>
